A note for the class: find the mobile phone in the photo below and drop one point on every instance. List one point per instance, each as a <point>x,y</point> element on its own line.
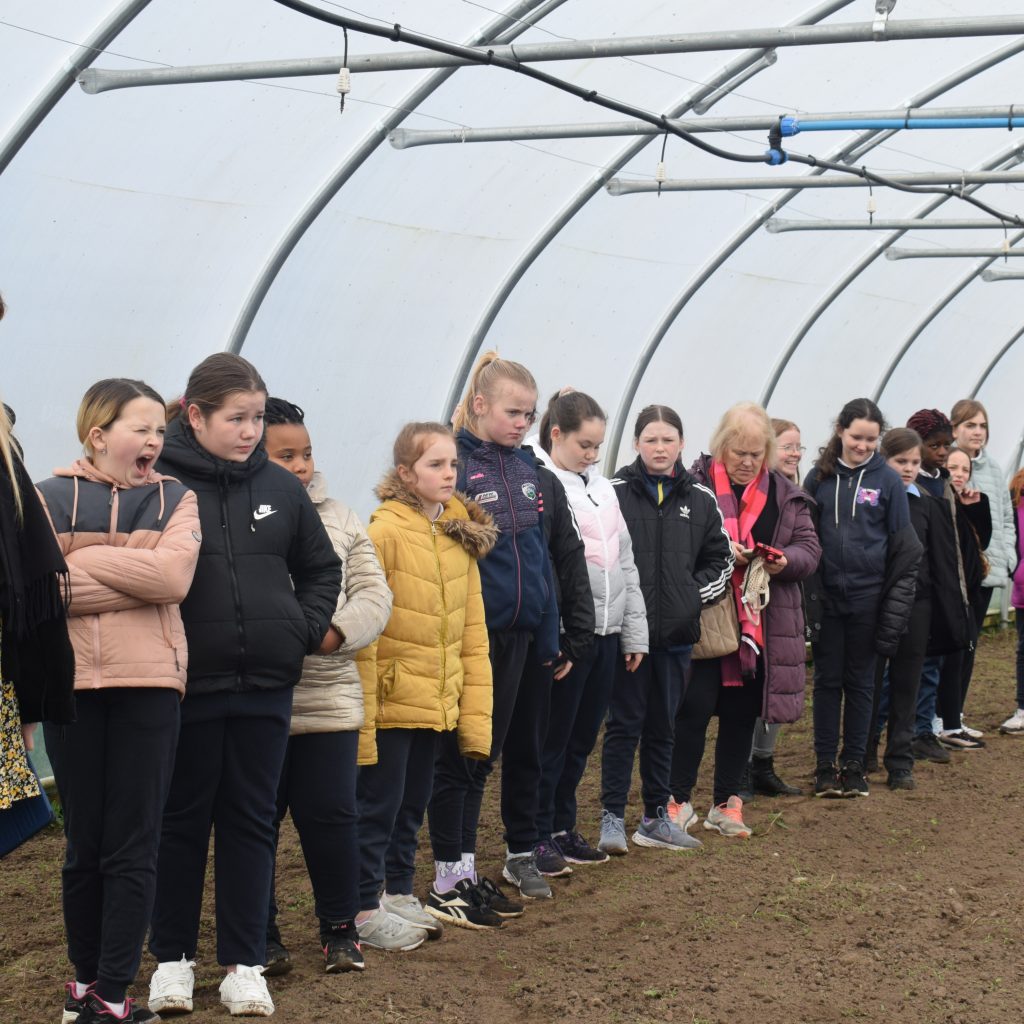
<point>769,554</point>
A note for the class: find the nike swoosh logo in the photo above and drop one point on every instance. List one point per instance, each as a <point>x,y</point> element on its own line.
<point>263,515</point>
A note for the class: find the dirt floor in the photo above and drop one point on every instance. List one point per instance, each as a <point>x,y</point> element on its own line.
<point>900,907</point>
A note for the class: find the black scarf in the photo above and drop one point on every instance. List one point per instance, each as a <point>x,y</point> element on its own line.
<point>34,593</point>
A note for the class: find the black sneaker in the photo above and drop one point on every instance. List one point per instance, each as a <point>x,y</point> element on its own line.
<point>463,906</point>
<point>826,780</point>
<point>95,1011</point>
<point>927,748</point>
<point>73,1006</point>
<point>341,953</point>
<point>279,960</point>
<point>576,850</point>
<point>853,780</point>
<point>498,901</point>
<point>550,861</point>
<point>901,778</point>
<point>959,739</point>
<point>765,781</point>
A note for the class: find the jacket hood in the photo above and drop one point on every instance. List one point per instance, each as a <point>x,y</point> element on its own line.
<point>85,470</point>
<point>462,519</point>
<point>872,465</point>
<point>468,440</point>
<point>183,452</point>
<point>317,488</point>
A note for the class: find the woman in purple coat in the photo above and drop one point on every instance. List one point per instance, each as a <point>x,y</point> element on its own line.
<point>766,676</point>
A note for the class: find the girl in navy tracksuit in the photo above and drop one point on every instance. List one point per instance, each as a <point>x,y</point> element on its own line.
<point>519,602</point>
<point>859,592</point>
<point>264,593</point>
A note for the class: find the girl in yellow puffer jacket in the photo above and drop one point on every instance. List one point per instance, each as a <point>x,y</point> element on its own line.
<point>428,673</point>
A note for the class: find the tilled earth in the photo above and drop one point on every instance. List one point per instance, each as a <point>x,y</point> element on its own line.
<point>902,906</point>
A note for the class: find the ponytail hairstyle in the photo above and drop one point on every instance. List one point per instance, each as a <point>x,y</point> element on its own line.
<point>279,411</point>
<point>567,410</point>
<point>488,374</point>
<point>213,380</point>
<point>1017,487</point>
<point>104,402</point>
<point>656,414</point>
<point>900,440</point>
<point>414,439</point>
<point>857,409</point>
<point>8,449</point>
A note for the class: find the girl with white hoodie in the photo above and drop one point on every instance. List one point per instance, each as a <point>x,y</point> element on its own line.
<point>571,434</point>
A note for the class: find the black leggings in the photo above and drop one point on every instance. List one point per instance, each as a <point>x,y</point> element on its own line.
<point>737,708</point>
<point>957,668</point>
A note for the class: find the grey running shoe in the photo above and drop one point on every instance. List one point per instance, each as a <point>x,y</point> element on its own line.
<point>408,908</point>
<point>521,871</point>
<point>663,833</point>
<point>385,931</point>
<point>613,835</point>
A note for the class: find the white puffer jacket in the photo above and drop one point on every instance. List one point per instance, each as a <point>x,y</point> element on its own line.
<point>618,603</point>
<point>987,477</point>
<point>329,697</point>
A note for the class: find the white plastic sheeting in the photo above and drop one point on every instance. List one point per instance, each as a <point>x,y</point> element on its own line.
<point>138,227</point>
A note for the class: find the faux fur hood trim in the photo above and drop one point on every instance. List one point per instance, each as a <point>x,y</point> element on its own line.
<point>462,519</point>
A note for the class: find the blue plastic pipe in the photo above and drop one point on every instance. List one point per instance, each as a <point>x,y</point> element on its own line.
<point>791,126</point>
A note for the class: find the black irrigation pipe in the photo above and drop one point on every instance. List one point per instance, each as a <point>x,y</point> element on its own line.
<point>775,154</point>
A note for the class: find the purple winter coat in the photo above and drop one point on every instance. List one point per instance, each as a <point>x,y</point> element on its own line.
<point>785,652</point>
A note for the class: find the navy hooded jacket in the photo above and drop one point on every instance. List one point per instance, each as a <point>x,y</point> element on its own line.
<point>516,577</point>
<point>860,509</point>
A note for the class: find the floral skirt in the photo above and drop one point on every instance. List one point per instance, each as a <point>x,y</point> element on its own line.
<point>17,780</point>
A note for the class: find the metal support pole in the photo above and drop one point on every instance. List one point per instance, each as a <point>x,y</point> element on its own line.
<point>778,225</point>
<point>625,187</point>
<point>95,80</point>
<point>405,138</point>
<point>939,254</point>
<point>1002,275</point>
<point>759,65</point>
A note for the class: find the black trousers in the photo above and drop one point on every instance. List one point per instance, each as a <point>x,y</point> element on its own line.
<point>228,765</point>
<point>844,684</point>
<point>579,703</point>
<point>459,781</point>
<point>957,668</point>
<point>393,794</point>
<point>113,768</point>
<point>904,677</point>
<point>318,787</point>
<point>737,708</point>
<point>642,711</point>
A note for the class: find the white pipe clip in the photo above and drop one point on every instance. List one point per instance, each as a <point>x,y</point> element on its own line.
<point>883,8</point>
<point>344,81</point>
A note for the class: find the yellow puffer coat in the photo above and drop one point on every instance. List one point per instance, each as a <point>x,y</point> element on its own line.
<point>430,668</point>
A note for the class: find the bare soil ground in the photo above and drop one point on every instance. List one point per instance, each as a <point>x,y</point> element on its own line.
<point>903,906</point>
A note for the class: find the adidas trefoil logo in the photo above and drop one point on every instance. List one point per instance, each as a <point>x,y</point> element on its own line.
<point>263,511</point>
<point>684,511</point>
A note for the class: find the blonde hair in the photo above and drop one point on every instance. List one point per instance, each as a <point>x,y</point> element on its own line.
<point>7,446</point>
<point>745,419</point>
<point>414,439</point>
<point>488,374</point>
<point>104,402</point>
<point>781,426</point>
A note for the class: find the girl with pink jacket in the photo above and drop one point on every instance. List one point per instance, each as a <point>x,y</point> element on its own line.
<point>131,540</point>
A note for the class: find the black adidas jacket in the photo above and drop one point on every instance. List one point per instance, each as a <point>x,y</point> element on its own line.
<point>268,578</point>
<point>681,549</point>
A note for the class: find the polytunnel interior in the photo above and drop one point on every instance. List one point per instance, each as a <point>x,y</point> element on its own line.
<point>144,228</point>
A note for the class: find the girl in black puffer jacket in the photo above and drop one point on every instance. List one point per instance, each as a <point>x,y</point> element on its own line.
<point>685,561</point>
<point>264,592</point>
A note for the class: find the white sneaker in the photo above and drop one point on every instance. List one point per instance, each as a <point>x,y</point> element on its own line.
<point>937,725</point>
<point>408,908</point>
<point>1014,725</point>
<point>244,992</point>
<point>170,988</point>
<point>682,814</point>
<point>386,931</point>
<point>975,734</point>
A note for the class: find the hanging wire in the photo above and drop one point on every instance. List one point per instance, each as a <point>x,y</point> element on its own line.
<point>659,171</point>
<point>344,75</point>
